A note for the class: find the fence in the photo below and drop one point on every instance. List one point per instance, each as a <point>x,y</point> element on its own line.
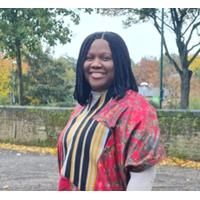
<point>180,129</point>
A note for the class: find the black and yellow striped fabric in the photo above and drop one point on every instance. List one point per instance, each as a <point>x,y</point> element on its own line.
<point>83,142</point>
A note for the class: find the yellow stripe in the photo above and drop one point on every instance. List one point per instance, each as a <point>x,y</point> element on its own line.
<point>94,152</point>
<point>82,154</point>
<point>70,134</point>
<point>74,127</point>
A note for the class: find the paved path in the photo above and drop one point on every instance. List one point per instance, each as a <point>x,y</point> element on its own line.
<point>31,172</point>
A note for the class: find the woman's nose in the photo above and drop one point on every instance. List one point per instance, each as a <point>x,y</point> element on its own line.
<point>96,63</point>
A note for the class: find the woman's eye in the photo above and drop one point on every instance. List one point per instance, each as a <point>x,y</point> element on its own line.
<point>107,58</point>
<point>88,58</point>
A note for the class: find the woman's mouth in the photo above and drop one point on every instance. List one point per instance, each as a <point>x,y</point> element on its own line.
<point>97,75</point>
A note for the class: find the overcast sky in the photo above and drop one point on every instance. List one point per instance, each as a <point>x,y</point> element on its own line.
<point>142,39</point>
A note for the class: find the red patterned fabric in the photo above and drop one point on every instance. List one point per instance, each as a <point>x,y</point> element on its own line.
<point>134,144</point>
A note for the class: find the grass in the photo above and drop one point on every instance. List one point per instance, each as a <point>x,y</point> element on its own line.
<point>194,103</point>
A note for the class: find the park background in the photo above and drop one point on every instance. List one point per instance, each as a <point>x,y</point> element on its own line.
<point>35,114</point>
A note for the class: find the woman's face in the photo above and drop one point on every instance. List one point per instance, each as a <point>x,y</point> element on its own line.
<point>98,66</point>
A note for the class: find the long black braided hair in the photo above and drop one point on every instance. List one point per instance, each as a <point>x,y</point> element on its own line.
<point>123,75</point>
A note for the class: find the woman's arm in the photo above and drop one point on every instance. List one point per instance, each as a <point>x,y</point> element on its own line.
<point>142,181</point>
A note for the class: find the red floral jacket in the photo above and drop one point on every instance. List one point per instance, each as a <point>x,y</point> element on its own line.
<point>134,144</point>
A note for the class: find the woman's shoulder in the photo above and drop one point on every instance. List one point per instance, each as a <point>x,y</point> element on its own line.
<point>132,105</point>
<point>134,100</point>
<point>138,109</point>
<point>136,105</point>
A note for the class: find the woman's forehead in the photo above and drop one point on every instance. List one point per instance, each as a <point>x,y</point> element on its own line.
<point>99,45</point>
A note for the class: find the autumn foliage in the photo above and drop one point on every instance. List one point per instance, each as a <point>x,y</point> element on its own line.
<point>147,70</point>
<point>195,65</point>
<point>6,67</point>
<point>168,161</point>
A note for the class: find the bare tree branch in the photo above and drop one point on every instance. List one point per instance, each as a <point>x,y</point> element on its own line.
<point>192,22</point>
<point>165,24</point>
<point>170,57</point>
<point>191,33</point>
<point>173,19</point>
<point>193,47</point>
<point>194,56</point>
<point>165,45</point>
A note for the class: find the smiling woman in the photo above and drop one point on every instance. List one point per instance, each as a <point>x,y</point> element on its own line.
<point>98,66</point>
<point>112,139</point>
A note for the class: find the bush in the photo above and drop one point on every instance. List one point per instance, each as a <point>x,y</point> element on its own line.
<point>180,130</point>
<point>4,100</point>
<point>194,103</point>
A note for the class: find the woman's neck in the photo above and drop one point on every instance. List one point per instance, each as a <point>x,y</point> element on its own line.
<point>95,95</point>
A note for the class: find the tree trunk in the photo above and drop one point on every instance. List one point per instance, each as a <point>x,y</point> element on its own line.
<point>20,78</point>
<point>185,88</point>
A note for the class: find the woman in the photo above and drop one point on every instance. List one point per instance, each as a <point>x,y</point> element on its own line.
<point>111,141</point>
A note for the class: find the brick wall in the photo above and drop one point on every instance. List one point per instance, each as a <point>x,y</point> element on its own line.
<point>31,124</point>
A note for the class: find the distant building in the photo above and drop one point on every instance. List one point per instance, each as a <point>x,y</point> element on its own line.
<point>150,92</point>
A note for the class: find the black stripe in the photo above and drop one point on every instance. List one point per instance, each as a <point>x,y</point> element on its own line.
<point>68,167</point>
<point>87,156</point>
<point>79,150</point>
<point>67,172</point>
<point>65,136</point>
<point>80,143</point>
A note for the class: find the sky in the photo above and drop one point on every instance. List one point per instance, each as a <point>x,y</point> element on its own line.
<point>142,39</point>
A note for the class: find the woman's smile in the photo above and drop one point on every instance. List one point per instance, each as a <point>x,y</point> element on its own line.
<point>97,75</point>
<point>98,66</point>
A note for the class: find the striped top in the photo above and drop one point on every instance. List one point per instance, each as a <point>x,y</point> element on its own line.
<point>83,143</point>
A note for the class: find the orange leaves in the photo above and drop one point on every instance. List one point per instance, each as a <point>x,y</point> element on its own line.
<point>147,70</point>
<point>7,66</point>
<point>173,161</point>
<point>169,161</point>
<point>28,149</point>
<point>5,76</point>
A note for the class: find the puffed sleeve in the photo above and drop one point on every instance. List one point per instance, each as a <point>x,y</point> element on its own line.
<point>143,147</point>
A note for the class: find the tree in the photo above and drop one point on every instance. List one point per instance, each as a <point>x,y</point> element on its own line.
<point>24,30</point>
<point>68,63</point>
<point>49,81</point>
<point>183,23</point>
<point>147,70</point>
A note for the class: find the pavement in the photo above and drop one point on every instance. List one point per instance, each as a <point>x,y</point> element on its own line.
<point>39,172</point>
